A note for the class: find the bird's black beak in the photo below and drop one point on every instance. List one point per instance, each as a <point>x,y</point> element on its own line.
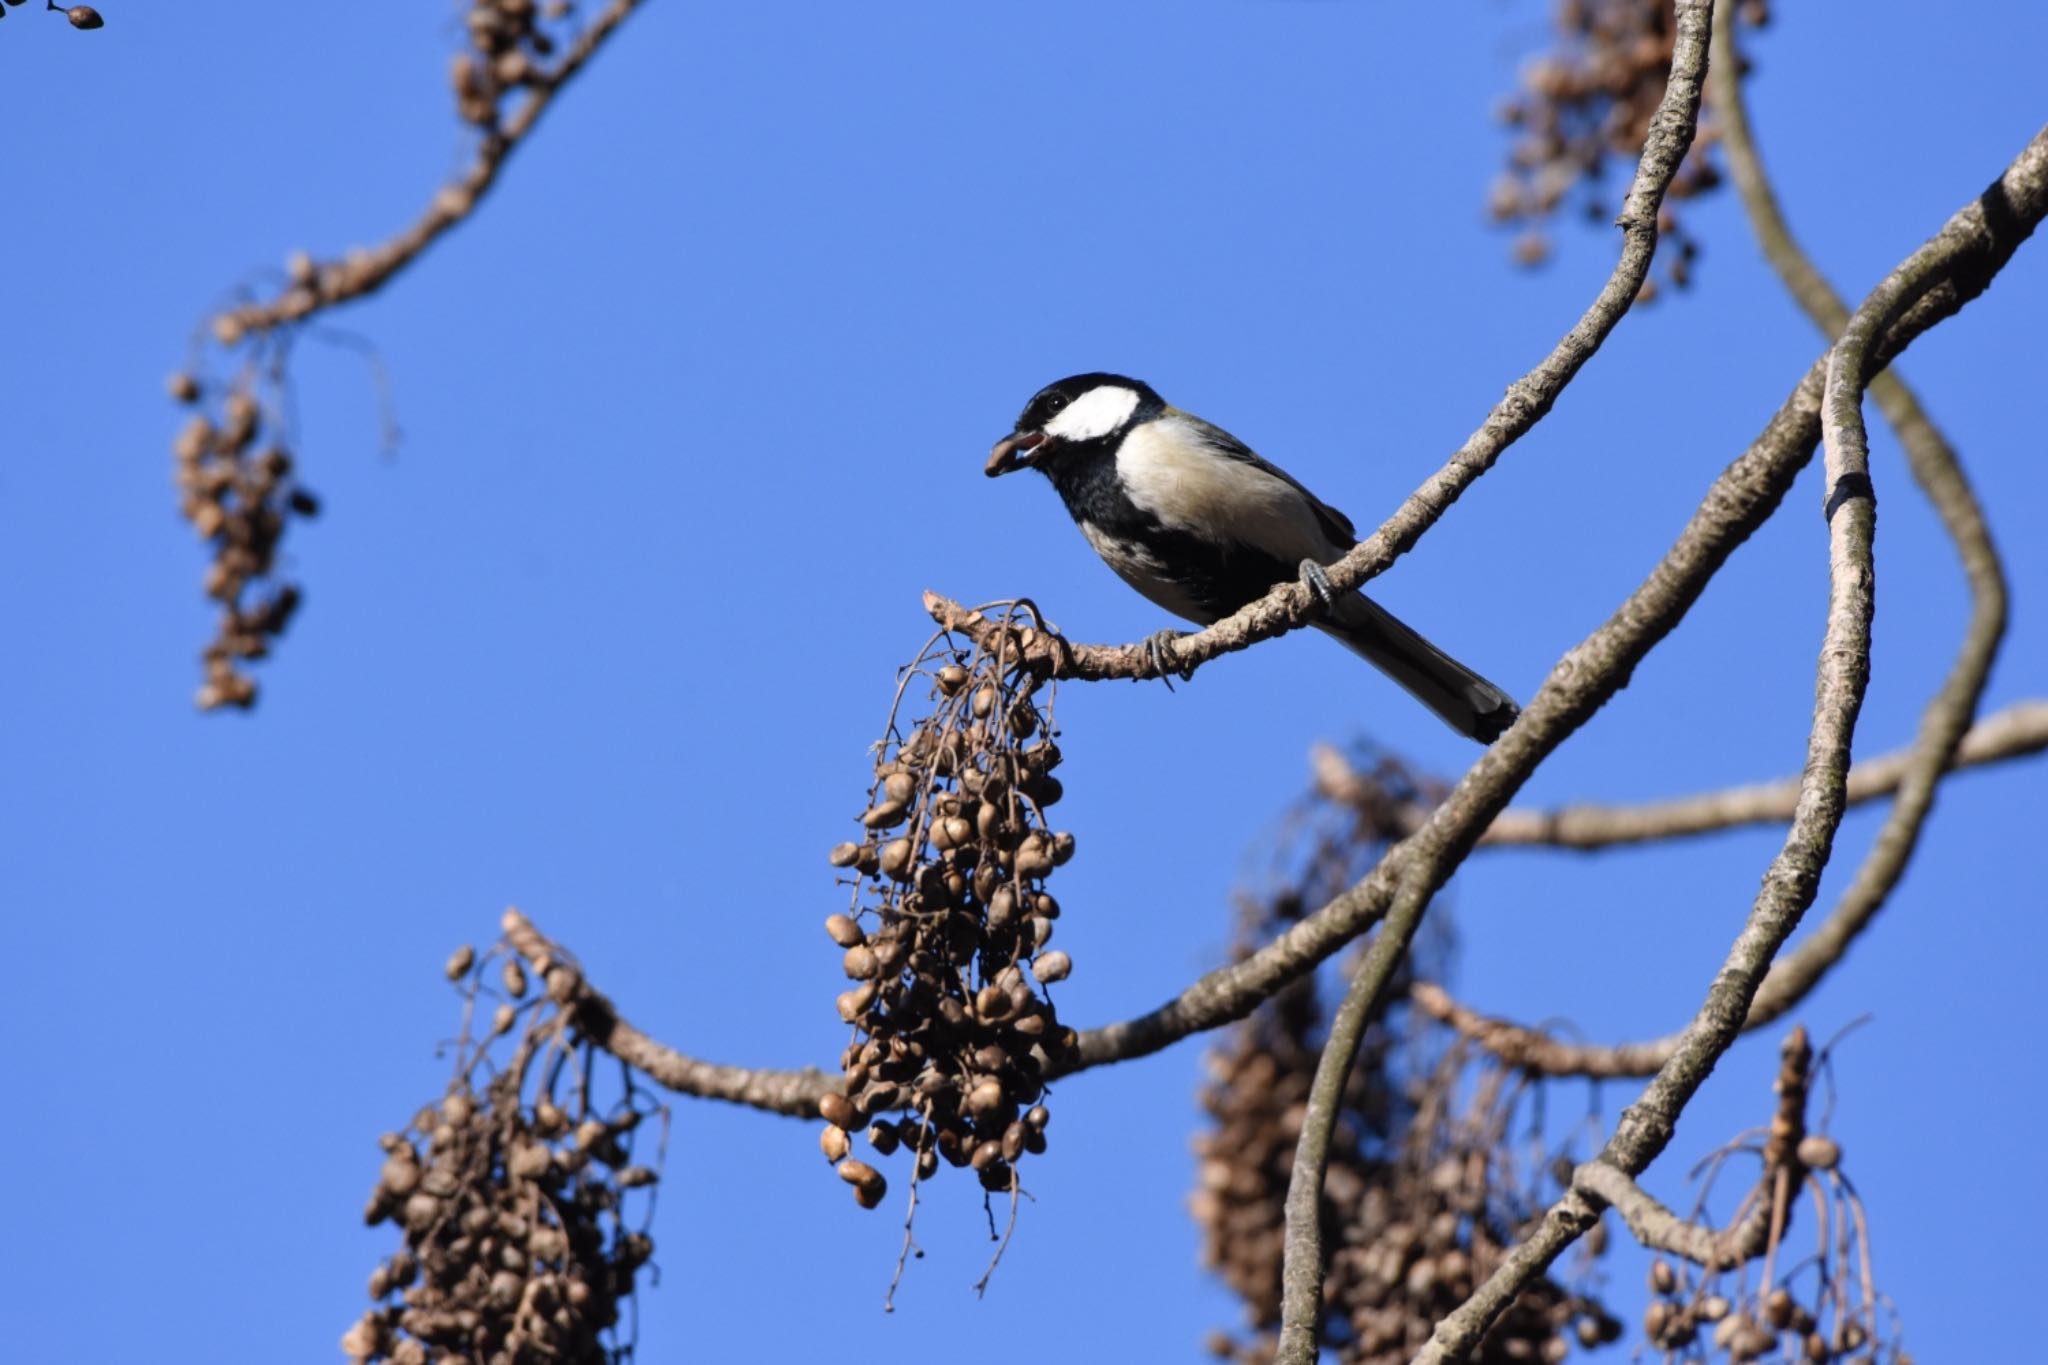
<point>1013,452</point>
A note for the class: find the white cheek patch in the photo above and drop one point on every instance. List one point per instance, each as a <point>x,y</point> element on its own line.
<point>1094,414</point>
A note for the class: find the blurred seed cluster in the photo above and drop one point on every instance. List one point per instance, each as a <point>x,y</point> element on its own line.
<point>235,486</point>
<point>946,937</point>
<point>79,16</point>
<point>509,1193</point>
<point>1428,1184</point>
<point>1591,99</point>
<point>510,42</point>
<point>233,473</point>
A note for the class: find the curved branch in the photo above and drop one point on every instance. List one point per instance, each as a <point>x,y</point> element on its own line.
<point>364,272</point>
<point>1768,1208</point>
<point>2015,732</point>
<point>1940,475</point>
<point>1953,264</point>
<point>592,1015</point>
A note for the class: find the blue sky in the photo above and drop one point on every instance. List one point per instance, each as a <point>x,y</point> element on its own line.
<point>696,407</point>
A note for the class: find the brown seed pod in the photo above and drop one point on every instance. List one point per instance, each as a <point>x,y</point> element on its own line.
<point>1819,1152</point>
<point>843,931</point>
<point>459,962</point>
<point>844,854</point>
<point>1052,966</point>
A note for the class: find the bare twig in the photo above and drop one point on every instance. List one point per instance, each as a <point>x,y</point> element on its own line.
<point>327,283</point>
<point>592,1015</point>
<point>2015,732</point>
<point>1765,1212</point>
<point>1940,276</point>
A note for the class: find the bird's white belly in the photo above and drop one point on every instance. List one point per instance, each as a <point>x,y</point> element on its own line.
<point>1137,566</point>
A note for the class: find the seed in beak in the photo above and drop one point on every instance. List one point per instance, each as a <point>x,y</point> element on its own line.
<point>1004,457</point>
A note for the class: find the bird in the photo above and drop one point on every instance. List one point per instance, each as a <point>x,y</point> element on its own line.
<point>1199,524</point>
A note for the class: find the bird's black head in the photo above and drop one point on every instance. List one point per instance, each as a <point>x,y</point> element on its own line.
<point>1078,410</point>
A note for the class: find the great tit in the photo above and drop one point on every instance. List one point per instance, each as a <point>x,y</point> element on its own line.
<point>1189,516</point>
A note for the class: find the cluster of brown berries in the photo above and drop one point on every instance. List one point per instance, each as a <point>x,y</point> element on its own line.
<point>1591,100</point>
<point>945,942</point>
<point>80,16</point>
<point>1824,1310</point>
<point>1418,1203</point>
<point>235,486</point>
<point>510,44</point>
<point>515,1248</point>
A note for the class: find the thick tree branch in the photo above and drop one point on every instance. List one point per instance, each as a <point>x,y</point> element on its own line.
<point>1940,475</point>
<point>1940,275</point>
<point>2015,732</point>
<point>1435,851</point>
<point>363,272</point>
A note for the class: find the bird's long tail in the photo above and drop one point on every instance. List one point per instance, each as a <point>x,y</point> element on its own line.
<point>1465,701</point>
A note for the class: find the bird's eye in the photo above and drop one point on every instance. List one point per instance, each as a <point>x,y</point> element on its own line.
<point>1054,403</point>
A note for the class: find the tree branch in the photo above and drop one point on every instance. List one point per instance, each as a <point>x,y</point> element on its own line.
<point>1940,276</point>
<point>592,1015</point>
<point>363,272</point>
<point>2015,732</point>
<point>1436,850</point>
<point>1768,1207</point>
<point>1940,475</point>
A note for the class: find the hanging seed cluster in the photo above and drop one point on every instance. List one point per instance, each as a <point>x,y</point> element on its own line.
<point>509,1198</point>
<point>1824,1309</point>
<point>235,485</point>
<point>1588,104</point>
<point>1418,1202</point>
<point>946,939</point>
<point>510,42</point>
<point>79,16</point>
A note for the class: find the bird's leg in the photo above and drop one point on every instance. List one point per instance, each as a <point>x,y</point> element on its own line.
<point>1155,648</point>
<point>1318,582</point>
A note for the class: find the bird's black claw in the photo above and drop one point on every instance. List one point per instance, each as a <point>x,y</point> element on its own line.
<point>1318,583</point>
<point>1155,648</point>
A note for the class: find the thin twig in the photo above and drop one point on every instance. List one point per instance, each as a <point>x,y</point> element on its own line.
<point>364,272</point>
<point>2014,732</point>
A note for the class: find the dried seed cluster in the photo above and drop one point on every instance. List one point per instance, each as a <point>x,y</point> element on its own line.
<point>1824,1310</point>
<point>510,43</point>
<point>1420,1200</point>
<point>1591,99</point>
<point>235,486</point>
<point>516,1249</point>
<point>80,16</point>
<point>946,937</point>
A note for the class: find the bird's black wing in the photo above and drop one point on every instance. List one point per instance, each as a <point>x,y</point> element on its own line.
<point>1335,524</point>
